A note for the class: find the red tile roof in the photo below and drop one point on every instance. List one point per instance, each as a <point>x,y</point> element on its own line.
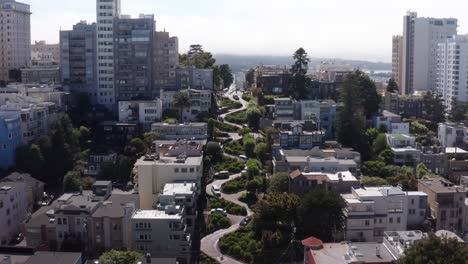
<point>312,242</point>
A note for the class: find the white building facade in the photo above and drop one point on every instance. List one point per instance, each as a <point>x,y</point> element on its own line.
<point>13,209</point>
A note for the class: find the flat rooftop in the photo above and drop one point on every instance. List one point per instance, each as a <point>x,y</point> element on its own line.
<point>191,161</point>
<point>154,214</point>
<point>378,191</point>
<point>441,185</point>
<point>344,253</point>
<point>179,188</point>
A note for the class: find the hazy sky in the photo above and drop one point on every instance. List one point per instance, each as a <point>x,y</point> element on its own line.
<point>359,29</point>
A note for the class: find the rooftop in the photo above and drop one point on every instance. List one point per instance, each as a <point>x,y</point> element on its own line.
<point>154,214</point>
<point>455,151</point>
<point>344,176</point>
<point>440,185</point>
<point>186,188</point>
<point>41,257</point>
<point>378,191</point>
<point>114,207</point>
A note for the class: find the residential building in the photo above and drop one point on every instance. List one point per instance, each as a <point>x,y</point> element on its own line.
<point>403,149</point>
<point>16,38</point>
<point>34,188</point>
<point>10,139</point>
<point>184,194</point>
<point>446,202</point>
<point>370,211</point>
<point>13,209</point>
<point>116,134</point>
<point>15,255</point>
<point>407,106</point>
<point>322,90</point>
<point>180,161</point>
<point>175,131</point>
<point>161,233</point>
<point>35,119</point>
<point>166,60</point>
<point>133,58</point>
<point>452,70</point>
<point>97,161</point>
<point>272,80</point>
<point>143,113</point>
<point>78,59</point>
<point>457,164</point>
<point>287,109</point>
<point>193,78</point>
<point>111,223</point>
<point>200,103</point>
<point>421,37</point>
<point>386,119</point>
<point>298,135</point>
<point>106,12</point>
<point>41,74</point>
<point>397,59</point>
<point>398,242</point>
<point>42,51</point>
<point>300,182</point>
<point>332,72</point>
<point>317,160</point>
<point>451,134</point>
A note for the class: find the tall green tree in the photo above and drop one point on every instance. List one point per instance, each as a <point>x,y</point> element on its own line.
<point>436,250</point>
<point>321,214</point>
<point>225,73</point>
<point>36,161</point>
<point>392,86</point>
<point>367,91</point>
<point>279,183</point>
<point>459,111</point>
<point>434,109</point>
<point>197,57</point>
<point>72,182</point>
<point>181,101</point>
<point>275,208</point>
<point>299,80</point>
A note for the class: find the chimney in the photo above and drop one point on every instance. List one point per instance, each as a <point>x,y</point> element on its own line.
<point>377,251</point>
<point>148,257</point>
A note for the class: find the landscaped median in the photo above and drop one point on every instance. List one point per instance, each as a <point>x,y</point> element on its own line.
<point>230,207</point>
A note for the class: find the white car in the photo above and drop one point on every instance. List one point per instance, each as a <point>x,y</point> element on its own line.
<point>218,211</point>
<point>216,190</point>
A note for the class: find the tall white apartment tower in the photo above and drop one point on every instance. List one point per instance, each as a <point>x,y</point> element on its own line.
<point>15,37</point>
<point>106,11</point>
<point>421,36</point>
<point>452,70</point>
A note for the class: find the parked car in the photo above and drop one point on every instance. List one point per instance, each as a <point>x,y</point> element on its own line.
<point>216,190</point>
<point>218,211</point>
<point>226,140</point>
<point>222,175</point>
<point>235,97</point>
<point>245,221</point>
<point>244,157</point>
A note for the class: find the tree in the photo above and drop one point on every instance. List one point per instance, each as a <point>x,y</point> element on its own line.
<point>422,170</point>
<point>197,57</point>
<point>379,144</point>
<point>298,71</point>
<point>249,145</point>
<point>434,109</point>
<point>213,149</point>
<point>436,250</point>
<point>250,77</point>
<point>275,208</point>
<point>253,117</point>
<point>374,169</point>
<point>148,139</point>
<point>321,214</point>
<point>392,86</point>
<point>181,101</point>
<point>72,182</point>
<point>262,151</point>
<point>459,111</point>
<point>368,93</point>
<point>279,183</point>
<point>386,156</point>
<point>36,161</point>
<point>119,257</point>
<point>225,74</point>
<point>211,129</point>
<point>253,167</point>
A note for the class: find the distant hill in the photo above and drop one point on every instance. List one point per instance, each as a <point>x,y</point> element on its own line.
<point>241,62</point>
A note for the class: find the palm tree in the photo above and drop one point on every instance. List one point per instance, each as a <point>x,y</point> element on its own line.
<point>181,101</point>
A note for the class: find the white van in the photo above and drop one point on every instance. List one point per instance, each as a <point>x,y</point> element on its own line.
<point>216,190</point>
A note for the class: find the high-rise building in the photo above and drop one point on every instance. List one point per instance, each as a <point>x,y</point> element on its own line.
<point>41,51</point>
<point>133,58</point>
<point>15,37</point>
<point>166,59</point>
<point>452,70</point>
<point>397,58</point>
<point>421,36</point>
<point>106,12</point>
<point>78,59</point>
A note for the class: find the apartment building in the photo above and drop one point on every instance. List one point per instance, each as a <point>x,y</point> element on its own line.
<point>35,119</point>
<point>133,57</point>
<point>41,74</point>
<point>144,113</point>
<point>175,131</point>
<point>397,59</point>
<point>193,78</point>
<point>333,72</point>
<point>452,134</point>
<point>162,233</point>
<point>300,182</point>
<point>272,80</point>
<point>34,188</point>
<point>407,106</point>
<point>78,59</point>
<point>446,202</point>
<point>13,209</point>
<point>166,60</point>
<point>452,70</point>
<point>97,161</point>
<point>370,211</point>
<point>15,47</point>
<point>184,194</point>
<point>403,149</point>
<point>110,228</point>
<point>10,139</point>
<point>421,36</point>
<point>180,161</point>
<point>386,119</point>
<point>41,51</point>
<point>200,102</point>
<point>106,12</point>
<point>298,135</point>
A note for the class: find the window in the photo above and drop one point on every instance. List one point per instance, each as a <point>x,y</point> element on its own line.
<point>176,170</point>
<point>184,170</point>
<point>390,220</point>
<point>64,221</point>
<point>367,223</point>
<point>59,221</point>
<point>398,220</point>
<point>192,170</point>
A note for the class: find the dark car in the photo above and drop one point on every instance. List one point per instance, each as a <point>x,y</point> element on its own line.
<point>245,221</point>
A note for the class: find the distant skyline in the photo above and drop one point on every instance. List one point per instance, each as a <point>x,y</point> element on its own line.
<point>358,30</point>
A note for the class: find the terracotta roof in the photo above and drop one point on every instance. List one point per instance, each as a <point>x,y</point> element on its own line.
<point>312,242</point>
<point>295,174</point>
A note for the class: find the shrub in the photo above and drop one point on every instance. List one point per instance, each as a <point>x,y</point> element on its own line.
<point>234,186</point>
<point>234,148</point>
<point>228,103</point>
<point>240,244</point>
<point>229,164</point>
<point>217,222</point>
<point>230,207</point>
<point>237,118</point>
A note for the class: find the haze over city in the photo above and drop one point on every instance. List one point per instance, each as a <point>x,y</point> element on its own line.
<point>359,29</point>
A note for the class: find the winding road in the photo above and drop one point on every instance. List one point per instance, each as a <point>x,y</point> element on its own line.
<point>209,243</point>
